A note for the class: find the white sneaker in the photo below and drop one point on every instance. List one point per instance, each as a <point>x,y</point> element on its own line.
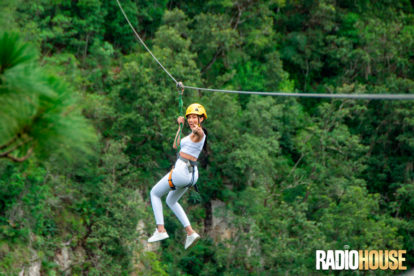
<point>191,240</point>
<point>158,236</point>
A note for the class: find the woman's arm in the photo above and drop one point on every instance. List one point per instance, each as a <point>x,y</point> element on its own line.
<point>198,131</point>
<point>177,138</point>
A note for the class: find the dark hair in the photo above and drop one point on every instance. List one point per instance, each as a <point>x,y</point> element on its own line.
<point>204,157</point>
<point>205,142</point>
<point>205,133</point>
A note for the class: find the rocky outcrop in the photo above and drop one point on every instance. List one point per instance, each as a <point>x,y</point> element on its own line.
<point>221,222</point>
<point>143,237</point>
<point>34,266</point>
<point>64,258</point>
<point>142,246</point>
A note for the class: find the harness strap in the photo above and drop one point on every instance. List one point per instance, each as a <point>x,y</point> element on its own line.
<point>170,182</point>
<point>193,163</point>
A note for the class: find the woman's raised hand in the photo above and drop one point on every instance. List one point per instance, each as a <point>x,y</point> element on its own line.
<point>197,130</point>
<point>180,120</point>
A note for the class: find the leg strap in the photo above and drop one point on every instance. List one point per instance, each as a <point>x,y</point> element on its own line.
<point>170,182</point>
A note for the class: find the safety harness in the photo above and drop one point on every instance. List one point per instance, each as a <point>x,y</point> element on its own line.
<point>191,168</point>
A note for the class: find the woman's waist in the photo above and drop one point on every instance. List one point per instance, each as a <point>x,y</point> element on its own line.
<point>187,156</point>
<point>185,164</point>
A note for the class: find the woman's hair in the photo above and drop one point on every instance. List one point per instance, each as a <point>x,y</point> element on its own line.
<point>205,142</point>
<point>204,159</point>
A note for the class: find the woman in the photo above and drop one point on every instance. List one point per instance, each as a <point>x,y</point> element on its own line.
<point>183,175</point>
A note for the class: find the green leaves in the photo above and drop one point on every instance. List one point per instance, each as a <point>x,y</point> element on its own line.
<point>295,175</point>
<point>13,52</point>
<point>39,113</point>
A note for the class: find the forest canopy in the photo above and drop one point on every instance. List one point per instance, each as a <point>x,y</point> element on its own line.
<point>88,120</point>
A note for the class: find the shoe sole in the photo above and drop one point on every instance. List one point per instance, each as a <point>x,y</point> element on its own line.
<point>159,239</point>
<point>193,243</point>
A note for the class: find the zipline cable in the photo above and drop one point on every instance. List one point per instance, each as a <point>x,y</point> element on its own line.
<point>314,95</point>
<point>311,95</point>
<point>143,43</point>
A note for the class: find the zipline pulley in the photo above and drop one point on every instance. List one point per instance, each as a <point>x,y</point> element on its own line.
<point>180,86</point>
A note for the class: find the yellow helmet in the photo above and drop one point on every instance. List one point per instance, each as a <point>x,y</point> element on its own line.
<point>196,108</point>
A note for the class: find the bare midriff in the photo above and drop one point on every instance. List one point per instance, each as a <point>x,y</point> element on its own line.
<point>187,156</point>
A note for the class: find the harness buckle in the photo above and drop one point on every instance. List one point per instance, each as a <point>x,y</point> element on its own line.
<point>190,167</point>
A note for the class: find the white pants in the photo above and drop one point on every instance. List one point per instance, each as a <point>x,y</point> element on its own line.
<point>181,178</point>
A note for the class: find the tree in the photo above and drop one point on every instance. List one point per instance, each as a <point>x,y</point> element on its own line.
<point>39,112</point>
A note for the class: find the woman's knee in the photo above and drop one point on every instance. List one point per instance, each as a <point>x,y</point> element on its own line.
<point>153,193</point>
<point>170,200</point>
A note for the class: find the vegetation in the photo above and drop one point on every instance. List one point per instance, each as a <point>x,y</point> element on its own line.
<point>87,122</point>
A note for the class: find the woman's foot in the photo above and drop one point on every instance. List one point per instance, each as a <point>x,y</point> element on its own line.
<point>189,230</point>
<point>191,240</point>
<point>158,236</point>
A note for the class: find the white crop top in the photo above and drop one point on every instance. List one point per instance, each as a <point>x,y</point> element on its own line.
<point>191,148</point>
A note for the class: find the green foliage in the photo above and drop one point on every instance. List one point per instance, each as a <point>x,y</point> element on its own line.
<point>153,265</point>
<point>295,175</point>
<point>39,112</point>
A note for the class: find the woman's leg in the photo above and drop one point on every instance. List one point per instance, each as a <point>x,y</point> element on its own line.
<point>160,189</point>
<point>172,201</point>
<point>181,178</point>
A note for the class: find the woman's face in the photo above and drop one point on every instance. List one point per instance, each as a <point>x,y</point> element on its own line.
<point>192,120</point>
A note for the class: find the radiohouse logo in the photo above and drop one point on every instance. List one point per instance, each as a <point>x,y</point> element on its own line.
<point>360,259</point>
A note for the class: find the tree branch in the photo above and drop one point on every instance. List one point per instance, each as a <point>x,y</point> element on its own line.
<point>239,12</point>
<point>20,159</point>
<point>8,143</point>
<point>296,164</point>
<point>219,51</point>
<point>6,153</point>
